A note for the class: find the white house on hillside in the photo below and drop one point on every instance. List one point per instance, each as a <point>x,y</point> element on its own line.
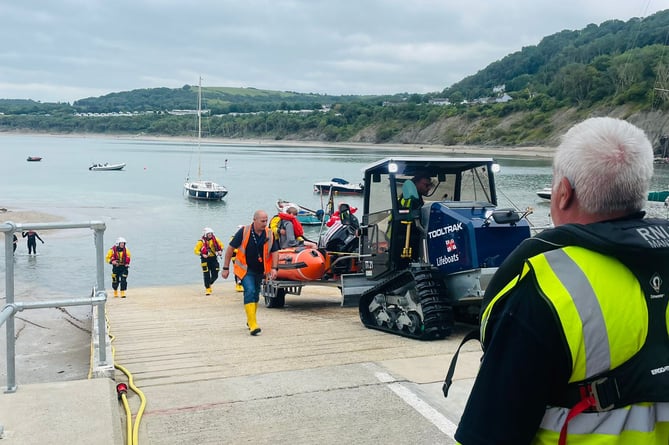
<point>440,101</point>
<point>504,98</point>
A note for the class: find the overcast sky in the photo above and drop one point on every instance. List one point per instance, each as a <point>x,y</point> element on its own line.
<point>64,50</point>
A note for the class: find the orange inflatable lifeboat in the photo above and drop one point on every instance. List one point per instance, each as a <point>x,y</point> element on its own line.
<point>301,264</point>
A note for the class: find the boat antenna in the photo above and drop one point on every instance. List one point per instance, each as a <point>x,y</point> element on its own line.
<point>199,125</point>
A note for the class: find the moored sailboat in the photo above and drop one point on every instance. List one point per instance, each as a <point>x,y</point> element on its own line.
<point>200,188</point>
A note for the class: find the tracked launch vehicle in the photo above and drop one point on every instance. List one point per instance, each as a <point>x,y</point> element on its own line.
<point>415,271</point>
<point>419,281</point>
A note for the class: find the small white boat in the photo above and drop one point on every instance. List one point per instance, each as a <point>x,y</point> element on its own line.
<point>339,186</point>
<point>107,166</point>
<point>545,192</point>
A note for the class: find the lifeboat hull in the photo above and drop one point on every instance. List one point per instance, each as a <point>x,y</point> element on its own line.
<point>303,264</point>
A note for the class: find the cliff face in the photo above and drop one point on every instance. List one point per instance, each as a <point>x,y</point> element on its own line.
<point>460,130</point>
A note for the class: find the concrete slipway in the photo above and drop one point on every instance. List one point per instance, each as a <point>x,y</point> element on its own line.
<point>314,375</point>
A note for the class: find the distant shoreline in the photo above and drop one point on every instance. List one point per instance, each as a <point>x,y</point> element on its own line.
<point>478,150</point>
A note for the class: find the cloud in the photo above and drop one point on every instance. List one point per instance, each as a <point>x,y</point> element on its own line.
<point>71,49</point>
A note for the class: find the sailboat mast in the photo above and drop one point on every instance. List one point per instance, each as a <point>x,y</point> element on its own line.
<point>199,125</point>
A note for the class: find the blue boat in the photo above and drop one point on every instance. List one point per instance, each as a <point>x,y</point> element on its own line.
<point>307,217</point>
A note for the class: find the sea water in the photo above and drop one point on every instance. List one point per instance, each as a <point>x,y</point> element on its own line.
<point>145,204</point>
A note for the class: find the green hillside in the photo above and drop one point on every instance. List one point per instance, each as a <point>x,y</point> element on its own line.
<point>220,100</point>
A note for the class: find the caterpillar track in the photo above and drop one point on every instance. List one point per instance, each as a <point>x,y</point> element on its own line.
<point>412,303</point>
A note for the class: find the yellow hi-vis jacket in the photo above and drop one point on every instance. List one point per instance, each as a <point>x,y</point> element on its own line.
<point>208,247</point>
<point>120,255</point>
<point>603,314</point>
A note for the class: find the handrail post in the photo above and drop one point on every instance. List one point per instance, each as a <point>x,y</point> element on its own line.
<point>100,280</point>
<point>99,255</point>
<point>9,300</point>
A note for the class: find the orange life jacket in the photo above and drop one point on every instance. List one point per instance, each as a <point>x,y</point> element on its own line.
<point>297,225</point>
<point>241,267</point>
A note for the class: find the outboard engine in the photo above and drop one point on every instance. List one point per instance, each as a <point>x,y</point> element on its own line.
<point>342,238</point>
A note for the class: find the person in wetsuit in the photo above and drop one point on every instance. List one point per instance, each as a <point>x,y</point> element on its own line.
<point>32,241</point>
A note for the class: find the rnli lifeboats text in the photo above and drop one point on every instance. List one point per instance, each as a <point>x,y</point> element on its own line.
<point>448,259</point>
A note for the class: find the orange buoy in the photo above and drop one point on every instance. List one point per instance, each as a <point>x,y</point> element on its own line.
<point>301,264</point>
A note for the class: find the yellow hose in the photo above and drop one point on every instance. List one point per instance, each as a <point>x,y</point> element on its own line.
<point>132,437</point>
<point>128,416</point>
<point>142,405</point>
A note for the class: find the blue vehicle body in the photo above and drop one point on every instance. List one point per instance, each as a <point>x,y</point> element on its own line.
<point>460,237</point>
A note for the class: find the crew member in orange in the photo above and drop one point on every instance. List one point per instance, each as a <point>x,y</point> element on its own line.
<point>256,259</point>
<point>119,257</point>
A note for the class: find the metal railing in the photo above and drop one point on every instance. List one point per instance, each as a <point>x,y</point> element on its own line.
<point>98,296</point>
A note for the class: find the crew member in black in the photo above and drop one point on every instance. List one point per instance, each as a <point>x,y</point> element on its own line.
<point>256,258</point>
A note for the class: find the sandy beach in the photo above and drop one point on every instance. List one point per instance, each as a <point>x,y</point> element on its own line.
<point>27,215</point>
<point>478,150</point>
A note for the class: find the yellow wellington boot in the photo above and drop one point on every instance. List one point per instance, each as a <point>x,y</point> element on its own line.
<point>122,294</point>
<point>255,312</point>
<point>115,293</point>
<point>239,287</point>
<point>207,291</point>
<point>250,309</point>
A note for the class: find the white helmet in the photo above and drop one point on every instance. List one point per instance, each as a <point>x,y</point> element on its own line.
<point>120,240</point>
<point>207,230</point>
<point>289,205</point>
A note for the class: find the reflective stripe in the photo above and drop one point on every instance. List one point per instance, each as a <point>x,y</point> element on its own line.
<point>489,308</point>
<point>240,266</point>
<point>595,335</point>
<point>640,418</point>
